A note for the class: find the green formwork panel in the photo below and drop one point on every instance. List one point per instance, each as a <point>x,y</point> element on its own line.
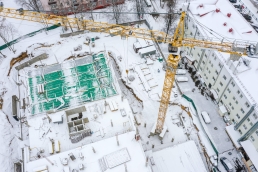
<point>89,84</point>
<point>53,76</point>
<point>86,76</point>
<point>73,86</point>
<point>85,69</point>
<point>54,84</point>
<point>54,93</point>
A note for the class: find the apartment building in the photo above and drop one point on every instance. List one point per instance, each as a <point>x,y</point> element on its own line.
<point>233,81</point>
<point>65,7</point>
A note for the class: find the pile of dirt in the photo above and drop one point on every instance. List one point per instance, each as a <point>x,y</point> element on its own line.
<point>21,57</point>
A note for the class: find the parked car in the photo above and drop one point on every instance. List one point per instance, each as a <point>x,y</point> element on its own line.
<point>251,49</point>
<point>206,117</point>
<point>233,1</point>
<point>237,6</point>
<point>226,163</point>
<point>247,17</point>
<point>226,118</point>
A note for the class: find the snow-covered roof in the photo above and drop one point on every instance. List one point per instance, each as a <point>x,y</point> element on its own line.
<point>145,43</point>
<point>251,151</point>
<point>183,157</point>
<point>233,134</point>
<point>205,13</point>
<point>108,154</point>
<point>147,49</point>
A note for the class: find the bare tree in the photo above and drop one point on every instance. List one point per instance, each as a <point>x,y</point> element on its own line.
<point>29,4</point>
<point>7,33</point>
<point>117,8</point>
<point>91,5</point>
<point>171,17</point>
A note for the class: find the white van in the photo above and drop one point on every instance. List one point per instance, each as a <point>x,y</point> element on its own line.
<point>206,117</point>
<point>181,79</point>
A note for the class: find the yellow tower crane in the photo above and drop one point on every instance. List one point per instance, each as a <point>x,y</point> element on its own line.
<point>178,40</point>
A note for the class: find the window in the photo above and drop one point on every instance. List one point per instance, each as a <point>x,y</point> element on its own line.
<point>200,68</point>
<point>210,62</point>
<point>238,91</point>
<point>256,132</point>
<point>100,2</point>
<point>240,131</point>
<point>242,110</point>
<point>255,116</point>
<point>234,98</point>
<point>207,68</point>
<point>233,84</point>
<point>209,71</point>
<point>203,62</point>
<point>225,96</point>
<point>213,78</point>
<point>217,89</point>
<point>248,119</point>
<point>252,138</point>
<point>198,54</point>
<point>232,108</point>
<point>238,116</point>
<point>205,55</point>
<point>191,33</point>
<point>241,96</point>
<point>224,77</point>
<point>247,104</point>
<point>212,65</point>
<point>216,72</point>
<point>215,58</point>
<point>244,126</point>
<point>229,90</point>
<point>230,104</point>
<point>220,65</point>
<point>251,124</point>
<point>220,83</point>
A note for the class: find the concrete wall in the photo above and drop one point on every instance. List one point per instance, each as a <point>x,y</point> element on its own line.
<point>31,61</point>
<point>65,35</point>
<point>75,110</point>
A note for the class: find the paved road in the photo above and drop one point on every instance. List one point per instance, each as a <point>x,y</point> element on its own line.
<point>219,135</point>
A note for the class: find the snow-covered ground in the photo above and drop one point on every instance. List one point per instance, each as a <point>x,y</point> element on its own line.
<point>180,125</point>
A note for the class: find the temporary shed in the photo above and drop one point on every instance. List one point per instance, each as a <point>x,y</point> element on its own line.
<point>147,51</point>
<point>141,43</point>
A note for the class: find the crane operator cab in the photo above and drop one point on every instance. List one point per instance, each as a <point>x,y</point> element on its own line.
<point>173,50</point>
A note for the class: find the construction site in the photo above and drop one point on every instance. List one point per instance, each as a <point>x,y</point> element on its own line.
<point>85,94</point>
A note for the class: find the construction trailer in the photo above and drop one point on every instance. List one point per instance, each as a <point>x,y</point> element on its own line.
<point>141,43</point>
<point>147,51</point>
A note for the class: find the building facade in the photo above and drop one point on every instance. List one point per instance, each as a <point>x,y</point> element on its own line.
<point>66,7</point>
<point>221,75</point>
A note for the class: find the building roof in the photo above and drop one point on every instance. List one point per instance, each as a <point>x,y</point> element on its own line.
<point>251,151</point>
<point>147,49</point>
<point>183,157</point>
<point>204,11</point>
<point>112,156</point>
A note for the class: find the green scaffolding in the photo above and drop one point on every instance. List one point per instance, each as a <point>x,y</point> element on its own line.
<point>70,86</point>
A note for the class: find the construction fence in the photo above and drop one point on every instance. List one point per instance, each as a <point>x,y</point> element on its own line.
<point>27,36</point>
<point>191,101</point>
<point>70,84</point>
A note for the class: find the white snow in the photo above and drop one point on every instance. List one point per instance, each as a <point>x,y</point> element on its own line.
<point>234,135</point>
<point>183,157</point>
<point>251,152</point>
<point>91,159</point>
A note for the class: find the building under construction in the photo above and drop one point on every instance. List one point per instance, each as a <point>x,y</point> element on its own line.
<point>71,83</point>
